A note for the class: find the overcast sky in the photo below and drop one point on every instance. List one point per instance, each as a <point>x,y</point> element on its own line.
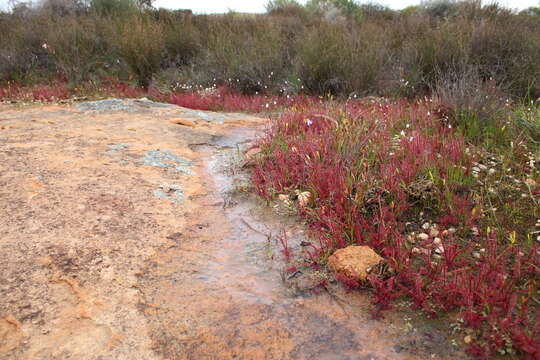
<point>213,6</point>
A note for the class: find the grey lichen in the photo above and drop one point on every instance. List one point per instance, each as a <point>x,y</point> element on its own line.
<point>166,159</point>
<point>172,193</point>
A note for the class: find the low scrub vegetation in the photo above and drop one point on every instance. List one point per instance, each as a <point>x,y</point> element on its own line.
<point>330,46</point>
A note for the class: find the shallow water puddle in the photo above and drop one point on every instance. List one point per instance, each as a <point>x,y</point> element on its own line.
<point>133,237</point>
<point>222,291</point>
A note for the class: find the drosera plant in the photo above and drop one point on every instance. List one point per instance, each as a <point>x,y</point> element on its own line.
<point>399,177</point>
<point>213,98</point>
<point>41,93</point>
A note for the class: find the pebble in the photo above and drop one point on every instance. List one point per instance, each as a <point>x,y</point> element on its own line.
<point>422,236</point>
<point>425,226</point>
<point>303,198</point>
<point>433,232</point>
<point>422,251</point>
<point>437,241</point>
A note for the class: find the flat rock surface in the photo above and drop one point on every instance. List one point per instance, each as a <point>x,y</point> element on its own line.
<point>123,237</point>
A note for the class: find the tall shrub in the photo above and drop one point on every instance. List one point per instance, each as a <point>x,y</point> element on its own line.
<point>141,45</point>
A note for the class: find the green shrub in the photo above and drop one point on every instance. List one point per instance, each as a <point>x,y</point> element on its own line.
<point>141,45</point>
<point>22,50</point>
<point>428,52</point>
<point>442,8</point>
<point>247,53</point>
<point>334,61</point>
<point>114,8</point>
<point>79,52</point>
<point>508,55</point>
<point>182,42</point>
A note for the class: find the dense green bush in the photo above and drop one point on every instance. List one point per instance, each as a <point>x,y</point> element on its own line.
<point>248,53</point>
<point>326,46</point>
<point>79,52</point>
<point>333,60</point>
<point>141,44</point>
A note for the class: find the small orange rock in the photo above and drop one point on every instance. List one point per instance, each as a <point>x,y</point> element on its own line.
<point>354,261</point>
<point>184,122</point>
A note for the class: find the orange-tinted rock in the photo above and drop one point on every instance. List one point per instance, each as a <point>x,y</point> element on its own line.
<point>184,122</point>
<point>354,261</point>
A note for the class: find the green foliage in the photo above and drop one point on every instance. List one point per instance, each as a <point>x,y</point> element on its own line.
<point>114,7</point>
<point>22,54</point>
<point>247,53</point>
<point>334,61</point>
<point>327,46</point>
<point>182,42</point>
<point>441,8</point>
<point>532,11</point>
<point>141,45</point>
<point>80,52</point>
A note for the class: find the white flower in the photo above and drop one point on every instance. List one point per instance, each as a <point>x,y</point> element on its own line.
<point>309,122</point>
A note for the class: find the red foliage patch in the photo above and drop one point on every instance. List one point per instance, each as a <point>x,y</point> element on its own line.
<point>361,162</point>
<point>45,93</point>
<point>213,99</point>
<point>222,99</point>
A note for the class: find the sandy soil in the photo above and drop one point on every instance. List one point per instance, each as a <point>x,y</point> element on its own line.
<point>124,236</point>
